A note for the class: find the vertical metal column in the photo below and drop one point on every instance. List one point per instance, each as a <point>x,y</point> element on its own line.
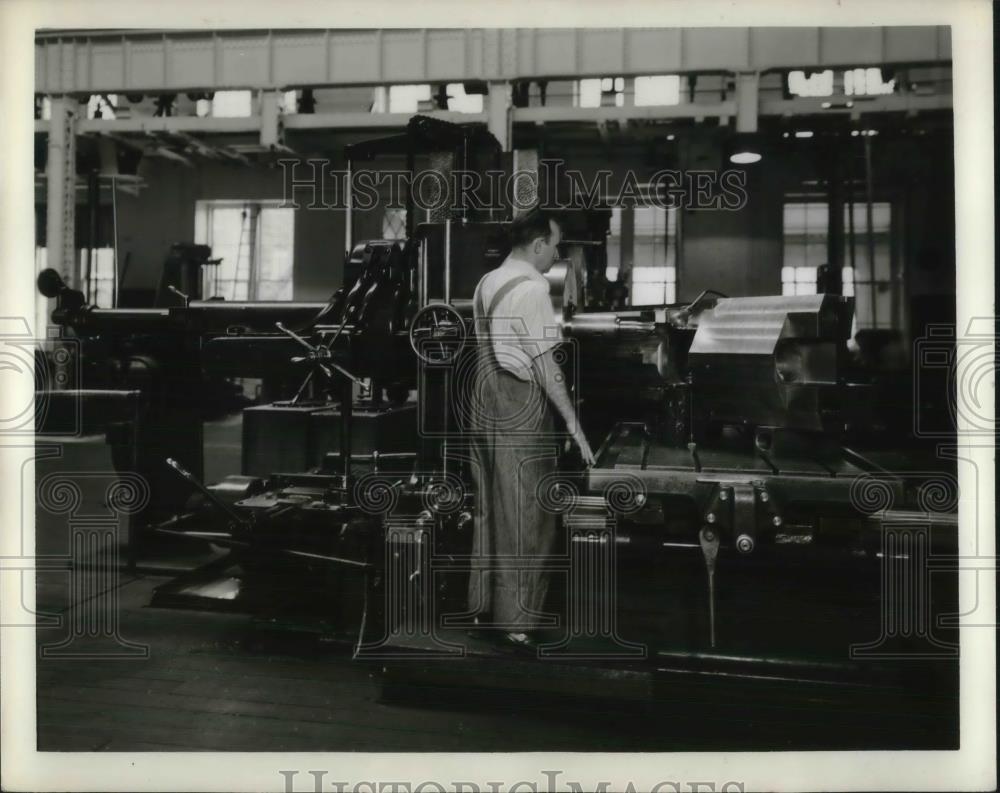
<point>870,236</point>
<point>747,101</point>
<point>498,119</point>
<point>254,217</point>
<point>835,199</point>
<point>627,248</point>
<point>61,191</point>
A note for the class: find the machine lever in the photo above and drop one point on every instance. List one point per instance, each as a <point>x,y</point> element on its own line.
<point>709,540</point>
<point>193,481</point>
<point>320,355</point>
<point>180,294</point>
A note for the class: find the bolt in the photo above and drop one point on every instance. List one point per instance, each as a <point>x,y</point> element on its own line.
<point>723,495</point>
<point>710,517</point>
<point>777,520</point>
<point>744,543</point>
<point>764,496</point>
<point>640,499</point>
<point>709,535</point>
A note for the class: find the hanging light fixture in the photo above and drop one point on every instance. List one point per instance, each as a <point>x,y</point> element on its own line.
<point>745,149</point>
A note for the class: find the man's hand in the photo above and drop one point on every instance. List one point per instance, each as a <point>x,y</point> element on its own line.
<point>581,440</point>
<point>550,377</point>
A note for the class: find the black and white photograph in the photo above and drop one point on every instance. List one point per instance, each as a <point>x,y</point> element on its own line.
<point>515,390</point>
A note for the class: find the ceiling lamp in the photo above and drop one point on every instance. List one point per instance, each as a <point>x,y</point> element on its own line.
<point>744,149</point>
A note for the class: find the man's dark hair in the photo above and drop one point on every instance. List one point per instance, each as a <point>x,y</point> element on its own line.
<point>531,225</point>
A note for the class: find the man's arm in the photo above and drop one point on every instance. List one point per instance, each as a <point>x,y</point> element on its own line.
<point>551,379</point>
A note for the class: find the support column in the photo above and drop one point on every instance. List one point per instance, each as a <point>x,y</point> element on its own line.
<point>270,120</point>
<point>498,118</point>
<point>747,101</point>
<point>61,190</point>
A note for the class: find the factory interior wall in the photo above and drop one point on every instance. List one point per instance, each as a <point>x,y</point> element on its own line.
<point>736,252</point>
<point>164,213</point>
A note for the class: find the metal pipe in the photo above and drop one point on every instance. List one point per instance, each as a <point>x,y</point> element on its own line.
<point>608,324</point>
<point>348,214</point>
<point>850,215</point>
<point>447,261</point>
<point>409,190</point>
<point>871,234</point>
<point>114,225</point>
<point>346,407</point>
<point>93,207</point>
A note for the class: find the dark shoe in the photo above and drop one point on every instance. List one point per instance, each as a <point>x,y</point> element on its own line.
<point>519,642</point>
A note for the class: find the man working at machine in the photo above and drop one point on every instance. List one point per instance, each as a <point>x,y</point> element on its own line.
<point>517,382</point>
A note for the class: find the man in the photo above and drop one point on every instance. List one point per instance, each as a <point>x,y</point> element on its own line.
<point>517,384</point>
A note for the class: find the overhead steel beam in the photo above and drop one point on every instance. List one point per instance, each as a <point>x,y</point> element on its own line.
<point>802,106</point>
<point>89,62</point>
<point>374,121</point>
<point>649,113</point>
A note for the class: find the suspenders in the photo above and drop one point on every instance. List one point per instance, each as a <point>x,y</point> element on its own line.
<point>501,293</point>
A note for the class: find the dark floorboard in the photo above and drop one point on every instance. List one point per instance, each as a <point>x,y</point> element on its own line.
<point>211,682</point>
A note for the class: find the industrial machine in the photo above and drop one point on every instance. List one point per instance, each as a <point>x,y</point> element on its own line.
<point>737,525</point>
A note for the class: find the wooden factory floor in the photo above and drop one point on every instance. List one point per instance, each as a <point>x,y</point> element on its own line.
<point>214,681</point>
<point>208,684</point>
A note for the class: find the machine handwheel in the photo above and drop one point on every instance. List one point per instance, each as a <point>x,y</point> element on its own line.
<point>437,334</point>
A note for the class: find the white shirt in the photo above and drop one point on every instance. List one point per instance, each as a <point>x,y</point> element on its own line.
<point>523,324</point>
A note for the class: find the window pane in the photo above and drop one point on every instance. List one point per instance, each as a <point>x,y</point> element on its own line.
<point>274,290</point>
<point>229,237</point>
<point>274,260</point>
<point>805,233</point>
<point>815,84</point>
<point>658,89</point>
<point>253,241</point>
<point>232,104</point>
<point>648,275</point>
<point>590,93</point>
<point>461,102</point>
<point>407,98</point>
<point>805,275</point>
<point>394,224</point>
<point>648,294</point>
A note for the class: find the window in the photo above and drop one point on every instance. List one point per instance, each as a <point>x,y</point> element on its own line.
<point>232,104</point>
<point>813,84</point>
<point>102,106</point>
<point>654,266</point>
<point>600,92</point>
<point>650,234</point>
<point>867,82</point>
<point>461,102</point>
<point>98,282</point>
<point>394,224</point>
<point>806,228</point>
<point>877,292</point>
<point>657,89</point>
<point>406,98</point>
<point>255,242</point>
